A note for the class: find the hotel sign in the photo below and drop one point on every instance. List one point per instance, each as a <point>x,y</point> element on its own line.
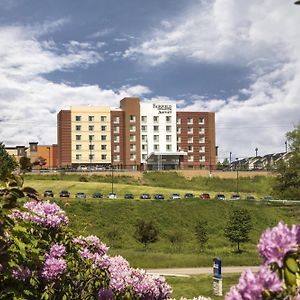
<point>163,108</point>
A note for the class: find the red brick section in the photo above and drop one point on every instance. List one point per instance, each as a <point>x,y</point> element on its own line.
<point>209,134</point>
<point>64,139</point>
<point>120,114</point>
<point>131,106</point>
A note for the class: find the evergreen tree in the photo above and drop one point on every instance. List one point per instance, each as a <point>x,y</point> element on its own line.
<point>238,227</point>
<point>146,232</point>
<point>7,163</point>
<point>25,164</point>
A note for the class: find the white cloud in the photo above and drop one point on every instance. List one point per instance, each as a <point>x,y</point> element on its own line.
<point>260,35</point>
<point>29,102</point>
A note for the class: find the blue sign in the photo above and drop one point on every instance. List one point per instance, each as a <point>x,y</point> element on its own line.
<point>217,267</point>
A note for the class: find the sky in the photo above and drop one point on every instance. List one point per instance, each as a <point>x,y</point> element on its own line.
<point>239,59</point>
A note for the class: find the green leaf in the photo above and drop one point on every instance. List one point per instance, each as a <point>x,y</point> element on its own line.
<point>291,264</point>
<point>289,277</point>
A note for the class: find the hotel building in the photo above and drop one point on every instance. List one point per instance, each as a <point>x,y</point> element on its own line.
<point>137,136</point>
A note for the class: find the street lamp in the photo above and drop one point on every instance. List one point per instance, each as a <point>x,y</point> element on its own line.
<point>286,143</point>
<point>112,177</point>
<point>48,157</point>
<point>256,149</point>
<point>237,176</point>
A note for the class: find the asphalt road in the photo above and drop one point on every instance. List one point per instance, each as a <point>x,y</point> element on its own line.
<point>185,272</point>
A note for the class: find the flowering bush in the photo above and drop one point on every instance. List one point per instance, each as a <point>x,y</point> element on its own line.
<point>44,260</point>
<point>279,275</point>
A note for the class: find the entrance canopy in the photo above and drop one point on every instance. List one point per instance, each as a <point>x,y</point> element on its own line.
<point>165,160</point>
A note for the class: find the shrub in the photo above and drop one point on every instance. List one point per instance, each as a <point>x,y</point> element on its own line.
<point>83,179</point>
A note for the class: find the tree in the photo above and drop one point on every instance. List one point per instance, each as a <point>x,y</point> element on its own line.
<point>7,163</point>
<point>175,238</point>
<point>201,233</point>
<point>238,227</point>
<point>146,232</point>
<point>287,182</point>
<point>40,161</point>
<point>25,164</point>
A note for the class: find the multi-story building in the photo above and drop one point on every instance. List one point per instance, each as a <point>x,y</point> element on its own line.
<point>138,135</point>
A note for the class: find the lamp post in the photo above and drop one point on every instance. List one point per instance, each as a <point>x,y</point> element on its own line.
<point>237,176</point>
<point>230,153</point>
<point>256,149</point>
<point>286,146</point>
<point>48,157</point>
<point>112,176</point>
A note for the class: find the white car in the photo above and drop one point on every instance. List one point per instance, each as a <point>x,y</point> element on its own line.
<point>175,196</point>
<point>112,196</point>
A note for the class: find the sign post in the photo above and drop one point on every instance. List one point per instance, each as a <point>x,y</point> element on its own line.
<point>217,276</point>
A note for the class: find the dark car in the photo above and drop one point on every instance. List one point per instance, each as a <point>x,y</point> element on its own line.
<point>159,196</point>
<point>189,195</point>
<point>64,194</point>
<point>145,196</point>
<point>48,193</point>
<point>249,197</point>
<point>97,195</point>
<point>220,197</point>
<point>128,196</point>
<point>80,195</point>
<point>235,197</point>
<point>205,196</point>
<point>267,198</point>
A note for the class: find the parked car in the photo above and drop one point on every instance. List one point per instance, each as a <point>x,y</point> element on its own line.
<point>189,195</point>
<point>80,195</point>
<point>64,194</point>
<point>220,197</point>
<point>48,193</point>
<point>249,197</point>
<point>97,195</point>
<point>175,196</point>
<point>159,196</point>
<point>82,168</point>
<point>267,198</point>
<point>205,196</point>
<point>112,195</point>
<point>128,196</point>
<point>235,197</point>
<point>145,196</point>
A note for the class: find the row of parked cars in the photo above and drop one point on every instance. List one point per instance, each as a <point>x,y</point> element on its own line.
<point>111,195</point>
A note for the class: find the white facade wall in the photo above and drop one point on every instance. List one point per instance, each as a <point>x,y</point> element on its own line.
<point>162,140</point>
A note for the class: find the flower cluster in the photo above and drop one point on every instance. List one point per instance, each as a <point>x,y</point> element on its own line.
<point>21,273</point>
<point>54,264</point>
<point>43,213</point>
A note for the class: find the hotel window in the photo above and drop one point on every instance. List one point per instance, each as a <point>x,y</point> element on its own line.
<point>132,147</point>
<point>103,137</point>
<point>132,138</point>
<point>190,120</point>
<point>78,118</point>
<point>132,156</point>
<point>144,156</point>
<point>144,128</point>
<point>117,157</point>
<point>168,128</point>
<point>78,127</point>
<point>144,147</point>
<point>201,120</point>
<point>155,119</point>
<point>91,137</point>
<point>132,128</point>
<point>103,156</point>
<point>91,118</point>
<point>78,137</point>
<point>116,129</point>
<point>144,138</point>
<point>202,158</point>
<point>202,140</point>
<point>144,119</point>
<point>91,147</point>
<point>78,156</point>
<point>155,128</point>
<point>168,138</point>
<point>103,128</point>
<point>178,130</point>
<point>156,138</point>
<point>169,147</point>
<point>190,148</point>
<point>190,139</point>
<point>202,149</point>
<point>103,118</point>
<point>116,119</point>
<point>116,138</point>
<point>178,121</point>
<point>191,158</point>
<point>91,127</point>
<point>132,118</point>
<point>91,156</point>
<point>117,148</point>
<point>168,119</point>
<point>178,139</point>
<point>190,130</point>
<point>103,147</point>
<point>201,130</point>
<point>78,147</point>
<point>156,147</point>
